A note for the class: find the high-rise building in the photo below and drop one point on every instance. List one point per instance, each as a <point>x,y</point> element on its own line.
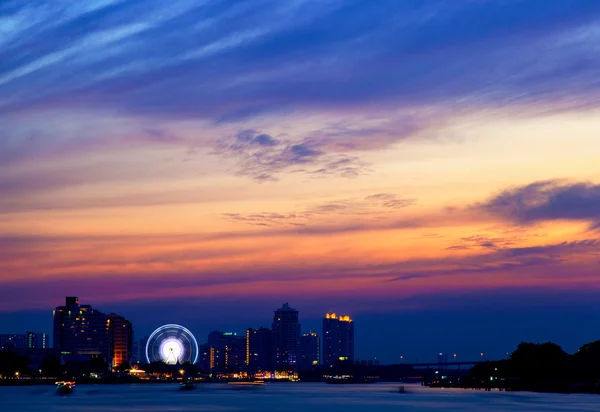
<point>235,351</point>
<point>286,337</point>
<point>227,351</point>
<point>28,340</point>
<point>259,349</point>
<point>142,349</point>
<point>217,351</point>
<point>121,339</point>
<point>37,340</point>
<point>204,357</point>
<point>216,359</point>
<point>338,339</point>
<point>135,351</point>
<point>310,351</point>
<point>83,330</point>
<point>14,341</point>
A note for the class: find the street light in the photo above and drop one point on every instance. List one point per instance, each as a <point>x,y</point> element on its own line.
<point>181,371</point>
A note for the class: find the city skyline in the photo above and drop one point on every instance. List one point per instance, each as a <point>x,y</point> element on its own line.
<point>409,350</point>
<point>82,331</point>
<point>136,348</point>
<point>430,168</point>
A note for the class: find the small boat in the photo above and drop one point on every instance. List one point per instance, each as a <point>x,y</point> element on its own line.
<point>64,388</point>
<point>187,385</point>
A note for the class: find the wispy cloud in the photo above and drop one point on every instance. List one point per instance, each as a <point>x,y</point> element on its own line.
<point>555,258</point>
<point>265,219</point>
<point>368,208</point>
<point>390,200</point>
<point>390,71</point>
<point>483,241</point>
<point>227,60</point>
<point>263,157</point>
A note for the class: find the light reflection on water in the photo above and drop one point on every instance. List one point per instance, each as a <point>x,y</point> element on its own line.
<point>289,397</point>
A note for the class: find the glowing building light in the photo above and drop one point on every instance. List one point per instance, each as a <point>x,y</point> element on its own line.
<point>334,315</point>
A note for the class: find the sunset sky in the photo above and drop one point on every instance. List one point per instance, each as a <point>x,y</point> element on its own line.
<point>431,168</point>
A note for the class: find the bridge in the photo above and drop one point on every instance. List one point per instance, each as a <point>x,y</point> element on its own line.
<point>443,364</point>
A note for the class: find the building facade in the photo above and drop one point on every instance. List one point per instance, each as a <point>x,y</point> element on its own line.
<point>84,331</point>
<point>338,339</point>
<point>235,351</point>
<point>28,340</point>
<point>204,357</point>
<point>142,349</point>
<point>81,330</point>
<point>121,339</point>
<point>286,337</point>
<point>135,352</point>
<point>227,351</point>
<point>259,349</point>
<point>13,341</point>
<point>37,340</point>
<point>310,351</point>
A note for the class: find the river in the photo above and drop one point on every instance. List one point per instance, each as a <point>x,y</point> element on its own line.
<point>288,397</point>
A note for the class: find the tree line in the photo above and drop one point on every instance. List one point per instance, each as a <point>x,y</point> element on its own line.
<point>542,367</point>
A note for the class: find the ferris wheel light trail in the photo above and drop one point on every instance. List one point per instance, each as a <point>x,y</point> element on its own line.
<point>172,344</point>
<point>171,350</point>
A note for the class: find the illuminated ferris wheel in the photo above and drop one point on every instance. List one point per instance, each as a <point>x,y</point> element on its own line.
<point>172,344</point>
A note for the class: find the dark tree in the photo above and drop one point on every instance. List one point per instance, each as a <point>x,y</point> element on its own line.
<point>539,361</point>
<point>51,366</point>
<point>123,367</point>
<point>12,362</point>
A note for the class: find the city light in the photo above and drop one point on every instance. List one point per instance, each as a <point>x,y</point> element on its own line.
<point>345,318</point>
<point>172,344</point>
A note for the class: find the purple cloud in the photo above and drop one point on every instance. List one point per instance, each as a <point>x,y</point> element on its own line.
<point>545,201</point>
<point>252,138</point>
<point>508,260</point>
<point>263,158</point>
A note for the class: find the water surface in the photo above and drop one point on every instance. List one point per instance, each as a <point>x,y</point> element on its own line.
<point>289,397</point>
